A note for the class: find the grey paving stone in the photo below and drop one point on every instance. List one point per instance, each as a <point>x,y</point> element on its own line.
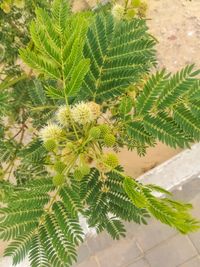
<point>131,228</point>
<point>195,237</point>
<point>194,262</point>
<point>91,262</point>
<point>196,207</point>
<point>152,234</point>
<point>123,253</point>
<point>189,190</point>
<point>100,242</point>
<point>140,263</point>
<point>172,252</point>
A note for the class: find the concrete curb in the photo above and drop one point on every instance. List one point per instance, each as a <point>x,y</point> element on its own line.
<point>175,171</point>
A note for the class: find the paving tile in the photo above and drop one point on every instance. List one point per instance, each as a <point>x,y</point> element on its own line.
<point>196,207</point>
<point>123,253</point>
<point>189,190</point>
<point>140,263</point>
<point>172,252</point>
<point>100,242</point>
<point>152,234</point>
<point>131,228</point>
<point>194,262</point>
<point>195,237</point>
<point>91,262</point>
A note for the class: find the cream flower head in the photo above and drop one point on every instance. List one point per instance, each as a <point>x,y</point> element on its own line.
<point>51,131</point>
<point>95,108</point>
<point>82,113</point>
<point>63,115</point>
<point>117,11</point>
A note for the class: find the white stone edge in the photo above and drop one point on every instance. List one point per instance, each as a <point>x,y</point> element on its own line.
<point>175,171</point>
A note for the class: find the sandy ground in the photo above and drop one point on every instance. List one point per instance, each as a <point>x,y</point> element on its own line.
<point>176,25</point>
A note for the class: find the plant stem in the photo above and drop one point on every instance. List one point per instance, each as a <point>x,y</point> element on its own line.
<point>126,6</point>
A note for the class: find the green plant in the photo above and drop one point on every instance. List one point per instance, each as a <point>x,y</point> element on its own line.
<point>95,89</point>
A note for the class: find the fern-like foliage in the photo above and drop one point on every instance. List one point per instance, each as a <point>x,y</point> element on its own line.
<point>47,227</point>
<point>40,225</point>
<point>58,44</point>
<point>119,53</point>
<point>166,210</point>
<point>115,202</point>
<point>162,110</point>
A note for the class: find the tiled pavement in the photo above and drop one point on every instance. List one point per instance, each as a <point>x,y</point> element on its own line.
<point>155,245</point>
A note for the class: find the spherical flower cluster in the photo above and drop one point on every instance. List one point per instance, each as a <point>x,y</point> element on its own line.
<point>50,145</point>
<point>95,108</point>
<point>83,113</point>
<point>109,140</point>
<point>105,129</point>
<point>59,166</point>
<point>111,160</point>
<point>58,179</point>
<point>51,131</point>
<point>94,132</point>
<point>63,116</point>
<point>117,11</point>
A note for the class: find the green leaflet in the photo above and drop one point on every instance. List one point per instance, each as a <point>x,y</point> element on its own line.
<point>167,109</point>
<point>137,131</point>
<point>19,248</point>
<point>187,121</point>
<point>125,106</point>
<point>115,201</point>
<point>134,192</point>
<point>77,76</point>
<point>34,228</point>
<point>58,43</point>
<point>177,87</point>
<point>120,53</point>
<point>151,91</point>
<point>166,210</point>
<point>165,130</point>
<point>37,94</point>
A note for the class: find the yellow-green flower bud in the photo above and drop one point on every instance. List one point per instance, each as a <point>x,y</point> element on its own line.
<point>58,179</point>
<point>136,3</point>
<point>109,140</point>
<point>50,145</point>
<point>104,129</point>
<point>111,160</point>
<point>59,166</point>
<point>94,132</point>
